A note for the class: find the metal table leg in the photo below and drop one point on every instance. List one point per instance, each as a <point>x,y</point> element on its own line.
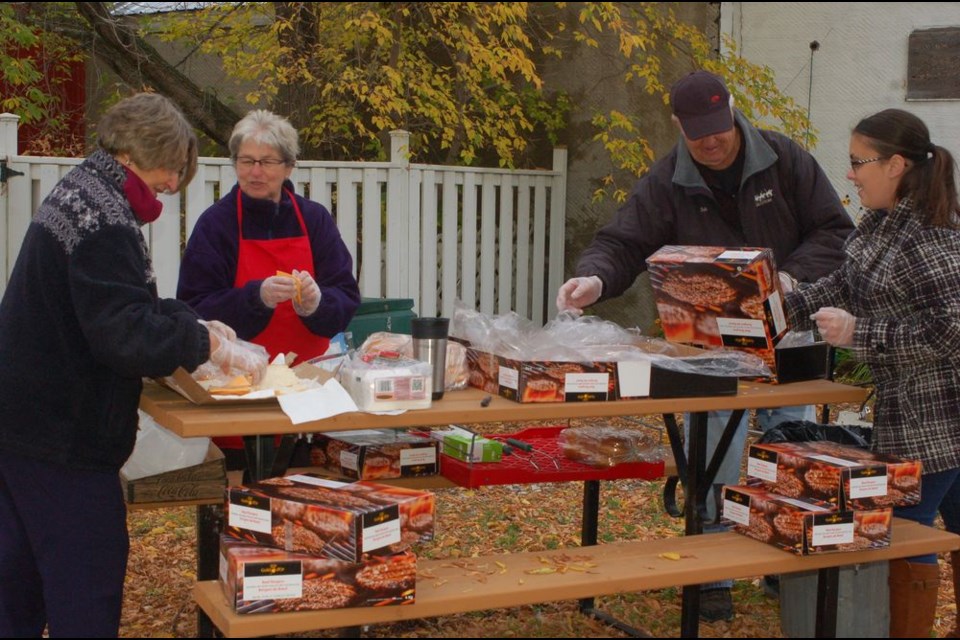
<point>588,538</point>
<point>260,456</point>
<point>697,475</point>
<point>209,525</point>
<point>693,517</point>
<point>588,528</point>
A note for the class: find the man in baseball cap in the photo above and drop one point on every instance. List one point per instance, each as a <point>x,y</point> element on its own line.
<point>725,183</point>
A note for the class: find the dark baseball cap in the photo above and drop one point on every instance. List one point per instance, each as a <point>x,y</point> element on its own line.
<point>701,102</point>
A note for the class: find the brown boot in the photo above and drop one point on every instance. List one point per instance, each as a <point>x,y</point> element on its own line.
<point>913,598</point>
<point>955,561</point>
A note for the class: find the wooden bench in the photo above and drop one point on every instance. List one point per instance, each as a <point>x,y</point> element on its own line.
<point>500,581</point>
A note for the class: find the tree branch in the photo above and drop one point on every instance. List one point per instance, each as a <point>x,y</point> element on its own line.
<point>138,64</point>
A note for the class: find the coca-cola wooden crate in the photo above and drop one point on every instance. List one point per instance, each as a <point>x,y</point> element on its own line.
<point>205,480</point>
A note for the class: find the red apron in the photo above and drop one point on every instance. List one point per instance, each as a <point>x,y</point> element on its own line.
<point>260,259</point>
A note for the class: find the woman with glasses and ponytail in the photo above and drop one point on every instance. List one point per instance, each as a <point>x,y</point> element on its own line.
<point>895,303</point>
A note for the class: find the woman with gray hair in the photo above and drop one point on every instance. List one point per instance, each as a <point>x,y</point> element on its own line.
<point>266,261</point>
<point>80,326</point>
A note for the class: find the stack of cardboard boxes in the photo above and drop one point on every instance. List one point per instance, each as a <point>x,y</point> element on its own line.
<point>819,497</point>
<point>303,542</point>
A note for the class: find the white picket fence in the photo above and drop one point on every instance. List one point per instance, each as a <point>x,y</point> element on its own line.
<point>493,238</point>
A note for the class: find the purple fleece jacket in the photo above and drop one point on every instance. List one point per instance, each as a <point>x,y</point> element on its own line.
<point>209,265</point>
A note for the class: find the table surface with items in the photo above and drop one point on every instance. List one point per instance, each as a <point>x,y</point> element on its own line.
<point>472,406</point>
<point>469,406</point>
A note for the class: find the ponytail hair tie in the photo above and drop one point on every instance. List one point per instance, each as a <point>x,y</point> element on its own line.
<point>932,148</point>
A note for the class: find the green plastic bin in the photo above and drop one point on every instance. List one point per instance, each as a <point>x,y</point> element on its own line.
<point>381,314</point>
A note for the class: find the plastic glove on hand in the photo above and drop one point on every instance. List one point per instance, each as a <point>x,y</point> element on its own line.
<point>787,282</point>
<point>835,325</point>
<point>230,355</point>
<point>277,289</point>
<point>222,330</point>
<point>309,294</point>
<point>577,293</point>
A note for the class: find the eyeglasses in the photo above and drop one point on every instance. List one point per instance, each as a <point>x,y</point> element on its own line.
<point>856,164</point>
<point>265,163</point>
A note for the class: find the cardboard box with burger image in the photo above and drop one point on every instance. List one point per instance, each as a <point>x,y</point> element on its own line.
<point>804,526</point>
<point>591,381</point>
<point>581,360</point>
<point>309,514</point>
<point>375,454</point>
<point>846,476</point>
<point>730,297</point>
<point>261,579</point>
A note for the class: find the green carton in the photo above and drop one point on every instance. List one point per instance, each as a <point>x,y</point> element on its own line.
<point>483,450</point>
<point>381,314</point>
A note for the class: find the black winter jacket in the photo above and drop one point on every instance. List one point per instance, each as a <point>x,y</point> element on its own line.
<point>785,202</point>
<point>81,324</point>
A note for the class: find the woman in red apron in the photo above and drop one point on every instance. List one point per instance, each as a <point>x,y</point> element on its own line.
<point>229,271</point>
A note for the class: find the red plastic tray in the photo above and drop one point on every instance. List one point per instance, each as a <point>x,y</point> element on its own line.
<point>519,468</point>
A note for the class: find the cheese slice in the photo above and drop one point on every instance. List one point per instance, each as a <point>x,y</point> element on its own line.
<point>238,386</point>
<point>296,283</point>
<point>230,391</point>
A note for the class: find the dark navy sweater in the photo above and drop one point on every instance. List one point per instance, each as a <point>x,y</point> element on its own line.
<point>81,324</point>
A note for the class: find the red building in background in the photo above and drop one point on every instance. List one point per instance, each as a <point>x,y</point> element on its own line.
<point>64,132</point>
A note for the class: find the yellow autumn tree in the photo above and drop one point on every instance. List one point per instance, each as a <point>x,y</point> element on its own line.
<point>460,77</point>
<point>645,32</point>
<point>465,78</point>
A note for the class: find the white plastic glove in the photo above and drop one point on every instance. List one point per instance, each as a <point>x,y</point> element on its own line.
<point>230,355</point>
<point>309,294</point>
<point>217,327</point>
<point>577,293</point>
<point>787,282</point>
<point>277,289</point>
<point>835,325</point>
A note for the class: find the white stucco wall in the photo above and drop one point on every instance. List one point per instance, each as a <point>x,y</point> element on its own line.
<point>860,67</point>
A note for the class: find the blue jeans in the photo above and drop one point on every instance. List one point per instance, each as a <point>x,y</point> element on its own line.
<point>729,471</point>
<point>938,492</point>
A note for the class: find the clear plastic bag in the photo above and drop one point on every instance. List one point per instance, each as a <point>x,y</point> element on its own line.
<point>607,446</point>
<point>212,375</point>
<point>797,339</point>
<point>570,338</point>
<point>457,373</point>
